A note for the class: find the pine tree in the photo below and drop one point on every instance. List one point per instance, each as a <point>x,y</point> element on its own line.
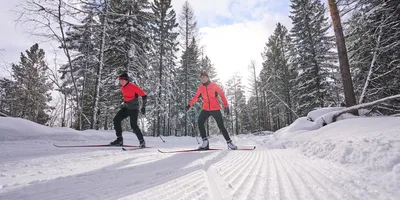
<point>255,93</point>
<point>8,96</point>
<point>83,40</point>
<point>237,100</point>
<point>188,79</point>
<point>373,41</point>
<point>129,36</point>
<point>187,30</point>
<point>127,49</point>
<point>312,53</point>
<point>165,46</point>
<point>207,66</point>
<point>277,77</point>
<point>32,88</point>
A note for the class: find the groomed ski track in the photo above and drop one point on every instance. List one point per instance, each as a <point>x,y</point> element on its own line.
<point>147,174</point>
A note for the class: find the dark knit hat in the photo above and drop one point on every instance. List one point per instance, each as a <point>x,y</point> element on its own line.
<point>123,76</point>
<point>204,74</point>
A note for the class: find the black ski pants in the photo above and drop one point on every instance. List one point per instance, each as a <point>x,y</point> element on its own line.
<point>133,115</point>
<point>216,114</point>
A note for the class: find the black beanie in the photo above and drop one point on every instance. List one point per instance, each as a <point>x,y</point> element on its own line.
<point>203,74</point>
<point>123,76</point>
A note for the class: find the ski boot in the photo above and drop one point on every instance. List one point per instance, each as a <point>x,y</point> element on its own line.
<point>231,145</point>
<point>118,142</point>
<point>205,145</point>
<point>142,144</point>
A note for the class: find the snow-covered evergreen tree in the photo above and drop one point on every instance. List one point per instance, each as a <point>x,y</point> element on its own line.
<point>277,77</point>
<point>164,38</point>
<point>236,98</point>
<point>373,35</point>
<point>83,41</point>
<point>312,53</point>
<point>129,36</point>
<point>8,96</point>
<point>207,66</point>
<point>189,79</point>
<point>188,73</point>
<point>31,87</point>
<point>127,49</point>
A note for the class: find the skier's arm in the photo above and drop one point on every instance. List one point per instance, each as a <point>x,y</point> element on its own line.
<point>141,93</point>
<point>195,98</point>
<point>222,95</point>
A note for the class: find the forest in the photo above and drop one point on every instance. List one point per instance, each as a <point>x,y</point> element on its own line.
<point>303,68</point>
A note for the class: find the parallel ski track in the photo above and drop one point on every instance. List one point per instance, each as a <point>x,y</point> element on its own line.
<point>190,186</point>
<point>259,174</point>
<point>285,174</point>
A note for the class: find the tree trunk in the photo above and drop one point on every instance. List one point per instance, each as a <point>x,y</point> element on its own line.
<point>99,71</point>
<point>160,70</point>
<point>63,124</point>
<point>236,122</point>
<point>169,116</point>
<point>186,67</point>
<point>106,123</point>
<point>343,59</point>
<point>371,67</point>
<point>258,103</point>
<point>66,52</point>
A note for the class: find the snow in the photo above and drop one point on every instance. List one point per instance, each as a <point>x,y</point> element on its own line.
<point>353,158</point>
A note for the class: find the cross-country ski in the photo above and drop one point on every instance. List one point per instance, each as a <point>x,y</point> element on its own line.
<point>93,145</point>
<point>200,150</point>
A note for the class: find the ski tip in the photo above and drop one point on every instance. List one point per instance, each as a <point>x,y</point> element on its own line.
<point>250,148</point>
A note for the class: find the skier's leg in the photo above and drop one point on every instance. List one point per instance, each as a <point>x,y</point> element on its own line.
<point>218,118</point>
<point>204,115</point>
<point>134,125</point>
<point>220,122</point>
<point>121,115</point>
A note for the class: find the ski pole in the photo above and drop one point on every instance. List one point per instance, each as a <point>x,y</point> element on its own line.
<point>161,138</point>
<point>194,131</point>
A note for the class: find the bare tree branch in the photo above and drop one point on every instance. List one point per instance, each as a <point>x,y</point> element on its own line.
<point>360,106</point>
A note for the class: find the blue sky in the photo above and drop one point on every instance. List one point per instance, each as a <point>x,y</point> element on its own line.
<point>233,32</point>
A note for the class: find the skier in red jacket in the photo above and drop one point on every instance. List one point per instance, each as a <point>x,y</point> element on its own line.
<point>209,92</point>
<point>129,108</point>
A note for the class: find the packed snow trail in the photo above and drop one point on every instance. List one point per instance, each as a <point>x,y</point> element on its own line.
<point>114,174</point>
<point>349,159</point>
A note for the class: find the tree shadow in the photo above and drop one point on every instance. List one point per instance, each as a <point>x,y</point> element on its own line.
<point>114,181</point>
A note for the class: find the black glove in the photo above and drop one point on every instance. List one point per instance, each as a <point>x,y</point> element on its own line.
<point>143,110</point>
<point>188,107</point>
<point>226,110</point>
<point>144,98</point>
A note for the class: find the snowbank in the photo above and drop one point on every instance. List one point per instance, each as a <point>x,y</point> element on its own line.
<point>12,129</point>
<point>372,144</point>
<point>315,120</point>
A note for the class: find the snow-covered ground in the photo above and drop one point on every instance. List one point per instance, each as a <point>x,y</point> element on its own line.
<point>354,158</point>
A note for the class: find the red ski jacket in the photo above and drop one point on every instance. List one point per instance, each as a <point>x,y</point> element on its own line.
<point>130,90</point>
<point>209,93</point>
